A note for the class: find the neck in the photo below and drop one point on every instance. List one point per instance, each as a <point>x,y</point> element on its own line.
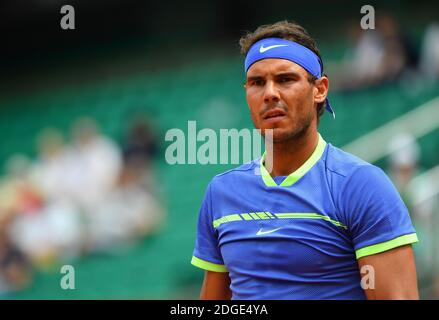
<point>290,155</point>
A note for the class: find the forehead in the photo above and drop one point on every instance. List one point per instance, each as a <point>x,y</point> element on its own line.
<point>273,66</point>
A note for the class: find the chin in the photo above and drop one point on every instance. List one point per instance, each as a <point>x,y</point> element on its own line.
<point>279,134</point>
<point>282,137</point>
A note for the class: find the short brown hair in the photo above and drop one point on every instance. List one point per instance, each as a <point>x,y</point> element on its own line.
<point>284,30</point>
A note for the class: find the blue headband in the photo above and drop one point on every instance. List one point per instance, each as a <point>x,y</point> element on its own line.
<point>284,49</point>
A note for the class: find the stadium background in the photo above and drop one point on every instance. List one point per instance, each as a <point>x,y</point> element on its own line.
<point>176,62</point>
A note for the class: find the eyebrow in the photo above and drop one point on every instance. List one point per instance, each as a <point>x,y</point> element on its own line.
<point>287,74</point>
<point>277,75</point>
<point>253,78</point>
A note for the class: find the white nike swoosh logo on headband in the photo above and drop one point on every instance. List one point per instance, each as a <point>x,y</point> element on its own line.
<point>262,49</point>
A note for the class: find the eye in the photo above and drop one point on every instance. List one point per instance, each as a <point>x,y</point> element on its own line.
<point>286,79</point>
<point>257,82</point>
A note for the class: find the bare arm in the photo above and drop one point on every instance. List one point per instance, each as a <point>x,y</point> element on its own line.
<point>216,286</point>
<point>394,274</point>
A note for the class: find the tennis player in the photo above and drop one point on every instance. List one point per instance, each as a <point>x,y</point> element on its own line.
<point>322,220</point>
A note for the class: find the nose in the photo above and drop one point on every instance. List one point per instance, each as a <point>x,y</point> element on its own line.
<point>271,93</point>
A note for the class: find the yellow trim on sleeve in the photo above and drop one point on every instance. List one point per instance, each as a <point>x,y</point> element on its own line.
<point>384,246</point>
<point>209,266</point>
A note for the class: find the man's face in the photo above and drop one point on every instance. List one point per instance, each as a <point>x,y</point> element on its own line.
<point>281,97</point>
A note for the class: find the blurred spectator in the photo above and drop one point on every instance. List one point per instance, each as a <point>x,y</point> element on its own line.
<point>430,52</point>
<point>15,196</point>
<point>75,198</point>
<point>404,157</point>
<point>18,193</point>
<point>139,149</point>
<point>97,164</point>
<point>53,170</point>
<point>129,212</point>
<point>131,209</point>
<point>24,205</point>
<point>53,231</point>
<point>15,271</point>
<point>379,56</point>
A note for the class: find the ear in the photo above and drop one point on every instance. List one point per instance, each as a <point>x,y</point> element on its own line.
<point>321,87</point>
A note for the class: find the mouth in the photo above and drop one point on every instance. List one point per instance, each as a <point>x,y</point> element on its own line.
<point>274,115</point>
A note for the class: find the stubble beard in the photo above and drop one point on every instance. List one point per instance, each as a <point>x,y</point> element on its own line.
<point>300,129</point>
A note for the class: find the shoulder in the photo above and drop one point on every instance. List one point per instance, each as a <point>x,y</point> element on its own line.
<point>234,175</point>
<point>357,184</point>
<point>343,163</point>
<point>362,192</point>
<point>348,166</point>
<point>345,169</point>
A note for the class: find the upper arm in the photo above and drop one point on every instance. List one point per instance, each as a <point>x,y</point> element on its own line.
<point>390,274</point>
<point>374,213</point>
<point>216,286</point>
<point>382,233</point>
<point>207,254</point>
